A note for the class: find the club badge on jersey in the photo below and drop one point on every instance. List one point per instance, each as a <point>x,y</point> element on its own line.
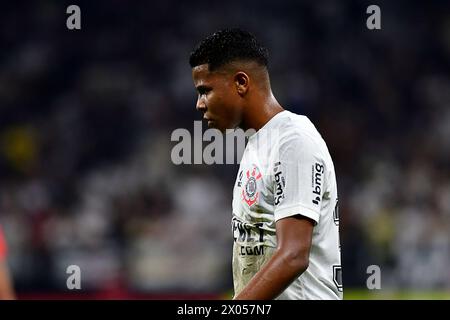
<point>250,181</point>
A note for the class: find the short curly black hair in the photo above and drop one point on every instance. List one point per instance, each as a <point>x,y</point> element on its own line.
<point>226,46</point>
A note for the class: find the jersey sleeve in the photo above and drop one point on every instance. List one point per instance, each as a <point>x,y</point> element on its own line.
<point>298,178</point>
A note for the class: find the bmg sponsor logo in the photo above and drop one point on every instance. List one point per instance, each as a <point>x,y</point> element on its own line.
<point>317,181</point>
<point>280,183</point>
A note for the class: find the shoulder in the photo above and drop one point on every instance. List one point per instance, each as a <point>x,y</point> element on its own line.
<point>299,133</point>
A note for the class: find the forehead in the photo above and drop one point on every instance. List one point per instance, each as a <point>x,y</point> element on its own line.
<point>201,74</point>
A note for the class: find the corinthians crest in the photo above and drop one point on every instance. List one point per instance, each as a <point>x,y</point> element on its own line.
<point>249,191</point>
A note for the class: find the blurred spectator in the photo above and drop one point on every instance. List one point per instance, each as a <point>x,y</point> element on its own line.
<point>6,283</point>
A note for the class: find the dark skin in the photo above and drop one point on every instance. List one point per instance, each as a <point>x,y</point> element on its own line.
<point>239,95</point>
<point>289,261</point>
<point>236,95</point>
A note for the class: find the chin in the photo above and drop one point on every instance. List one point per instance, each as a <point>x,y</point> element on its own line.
<point>211,125</point>
<point>214,125</point>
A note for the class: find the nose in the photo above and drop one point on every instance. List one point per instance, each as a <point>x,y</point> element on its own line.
<point>201,106</point>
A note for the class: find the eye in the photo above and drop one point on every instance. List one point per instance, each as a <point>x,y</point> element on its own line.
<point>203,90</point>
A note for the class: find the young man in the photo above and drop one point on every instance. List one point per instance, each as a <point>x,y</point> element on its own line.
<point>285,218</point>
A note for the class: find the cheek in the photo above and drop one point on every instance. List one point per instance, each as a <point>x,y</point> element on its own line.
<point>235,106</point>
<point>218,103</point>
<point>214,103</point>
<point>229,114</point>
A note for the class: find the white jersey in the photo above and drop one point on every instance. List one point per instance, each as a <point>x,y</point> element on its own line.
<point>286,170</point>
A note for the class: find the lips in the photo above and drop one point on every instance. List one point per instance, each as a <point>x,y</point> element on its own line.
<point>209,121</point>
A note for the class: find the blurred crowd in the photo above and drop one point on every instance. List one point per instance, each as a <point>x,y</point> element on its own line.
<point>86,116</point>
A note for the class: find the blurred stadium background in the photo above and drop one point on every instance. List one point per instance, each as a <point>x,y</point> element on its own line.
<point>86,118</point>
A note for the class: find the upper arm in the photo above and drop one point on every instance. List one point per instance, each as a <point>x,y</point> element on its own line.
<point>294,236</point>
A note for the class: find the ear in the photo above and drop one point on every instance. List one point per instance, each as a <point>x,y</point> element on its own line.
<point>242,81</point>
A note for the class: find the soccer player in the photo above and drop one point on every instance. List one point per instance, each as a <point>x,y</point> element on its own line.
<point>6,288</point>
<point>285,220</point>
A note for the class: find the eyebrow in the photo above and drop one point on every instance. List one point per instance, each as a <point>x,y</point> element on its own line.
<point>202,88</point>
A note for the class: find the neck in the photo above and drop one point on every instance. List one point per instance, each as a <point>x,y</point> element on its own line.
<point>260,112</point>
